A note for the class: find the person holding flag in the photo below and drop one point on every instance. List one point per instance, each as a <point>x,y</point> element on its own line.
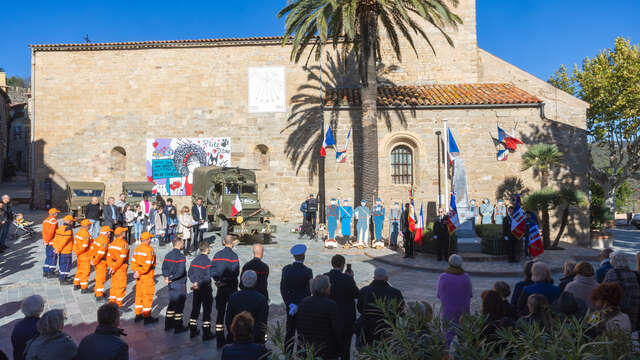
<point>405,229</point>
<point>452,219</point>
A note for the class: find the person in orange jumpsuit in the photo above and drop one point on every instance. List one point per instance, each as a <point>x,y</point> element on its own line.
<point>49,227</point>
<point>118,262</point>
<point>99,248</point>
<point>63,245</point>
<point>81,246</point>
<point>143,265</point>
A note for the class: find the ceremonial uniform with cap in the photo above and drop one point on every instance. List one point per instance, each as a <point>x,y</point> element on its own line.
<point>174,268</point>
<point>225,271</point>
<point>200,275</point>
<point>294,286</point>
<point>333,212</point>
<point>49,227</point>
<point>362,214</point>
<point>346,214</point>
<point>63,246</point>
<point>394,222</point>
<point>378,222</point>
<point>98,250</point>
<point>82,247</point>
<point>118,263</point>
<point>143,263</point>
<point>499,211</point>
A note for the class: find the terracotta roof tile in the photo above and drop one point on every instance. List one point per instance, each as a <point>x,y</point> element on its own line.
<point>435,95</point>
<point>156,44</point>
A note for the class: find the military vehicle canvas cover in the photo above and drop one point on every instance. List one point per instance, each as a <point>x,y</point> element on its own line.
<point>135,190</point>
<point>80,193</point>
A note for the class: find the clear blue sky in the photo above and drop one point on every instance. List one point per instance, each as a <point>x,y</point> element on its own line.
<point>535,35</point>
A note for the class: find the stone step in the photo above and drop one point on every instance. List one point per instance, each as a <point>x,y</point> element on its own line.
<point>469,244</point>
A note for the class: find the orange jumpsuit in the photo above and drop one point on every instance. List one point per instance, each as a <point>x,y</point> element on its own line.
<point>98,257</point>
<point>144,262</point>
<point>63,245</point>
<point>81,247</point>
<point>49,227</point>
<point>118,260</point>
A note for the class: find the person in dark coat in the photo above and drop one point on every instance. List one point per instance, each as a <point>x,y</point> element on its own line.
<point>105,343</point>
<point>504,290</point>
<point>199,213</point>
<point>174,271</point>
<point>372,320</point>
<point>441,235</point>
<point>520,285</point>
<point>407,235</point>
<point>318,322</point>
<point>567,273</point>
<point>52,343</point>
<point>262,270</point>
<point>27,328</point>
<point>542,284</point>
<point>344,292</point>
<point>251,300</point>
<point>225,268</point>
<point>110,214</point>
<point>605,264</point>
<point>200,276</point>
<point>242,347</point>
<point>294,286</point>
<point>511,242</point>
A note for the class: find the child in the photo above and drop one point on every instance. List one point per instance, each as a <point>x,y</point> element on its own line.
<point>137,224</point>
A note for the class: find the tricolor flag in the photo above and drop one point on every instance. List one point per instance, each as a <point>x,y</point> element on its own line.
<point>454,152</point>
<point>510,141</point>
<point>419,227</point>
<point>503,155</point>
<point>535,240</point>
<point>452,220</point>
<point>328,141</point>
<point>237,206</point>
<point>341,156</point>
<point>412,217</point>
<point>518,225</point>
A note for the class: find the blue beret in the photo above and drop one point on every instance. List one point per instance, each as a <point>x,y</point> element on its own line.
<point>298,249</point>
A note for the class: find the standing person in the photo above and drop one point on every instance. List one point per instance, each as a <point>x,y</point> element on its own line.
<point>378,223</point>
<point>49,227</point>
<point>511,242</point>
<point>121,202</point>
<point>249,299</point>
<point>174,271</point>
<point>362,214</point>
<point>145,208</point>
<point>242,347</point>
<point>185,222</point>
<point>27,328</point>
<point>333,212</point>
<point>129,221</point>
<point>199,213</point>
<point>172,220</point>
<point>344,292</point>
<point>151,227</point>
<point>92,212</point>
<point>82,248</point>
<point>262,270</point>
<point>305,224</point>
<point>605,264</point>
<point>98,249</point>
<point>628,280</point>
<point>407,235</point>
<point>346,215</point>
<point>106,342</point>
<point>52,343</point>
<point>455,292</point>
<point>372,321</point>
<point>200,277</point>
<point>138,223</point>
<point>118,263</point>
<point>160,224</point>
<point>318,321</point>
<point>111,214</point>
<point>225,268</point>
<point>311,211</point>
<point>394,224</point>
<point>9,216</point>
<point>294,286</point>
<point>441,234</point>
<point>4,218</point>
<point>143,267</point>
<point>63,246</point>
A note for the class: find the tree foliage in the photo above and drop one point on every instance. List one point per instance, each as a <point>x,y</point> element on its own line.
<point>563,80</point>
<point>18,82</point>
<point>542,158</point>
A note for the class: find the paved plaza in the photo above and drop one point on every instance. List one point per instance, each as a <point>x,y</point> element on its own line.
<point>21,276</point>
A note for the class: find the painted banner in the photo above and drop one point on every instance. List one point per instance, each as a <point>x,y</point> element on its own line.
<point>170,162</point>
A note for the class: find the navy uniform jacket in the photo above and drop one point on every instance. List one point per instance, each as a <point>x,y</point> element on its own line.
<point>256,304</point>
<point>344,292</point>
<point>262,270</point>
<point>174,267</point>
<point>200,270</point>
<point>294,285</point>
<point>226,267</point>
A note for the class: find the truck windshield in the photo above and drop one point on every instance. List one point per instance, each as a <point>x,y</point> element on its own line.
<point>244,189</point>
<point>139,193</point>
<point>249,189</point>
<point>87,193</point>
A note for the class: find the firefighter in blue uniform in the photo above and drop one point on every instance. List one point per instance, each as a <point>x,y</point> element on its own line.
<point>294,286</point>
<point>200,276</point>
<point>378,223</point>
<point>224,270</point>
<point>394,223</point>
<point>333,212</point>
<point>174,271</point>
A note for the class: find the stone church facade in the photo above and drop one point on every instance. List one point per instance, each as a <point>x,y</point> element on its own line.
<point>94,106</point>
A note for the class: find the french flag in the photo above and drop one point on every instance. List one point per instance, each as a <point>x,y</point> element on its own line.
<point>535,240</point>
<point>518,220</point>
<point>237,206</point>
<point>341,156</point>
<point>503,155</point>
<point>452,221</point>
<point>454,152</point>
<point>510,141</point>
<point>412,217</point>
<point>419,226</point>
<point>328,141</point>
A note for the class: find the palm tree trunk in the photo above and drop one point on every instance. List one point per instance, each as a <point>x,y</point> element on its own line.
<point>544,178</point>
<point>546,233</point>
<point>563,225</point>
<point>368,186</point>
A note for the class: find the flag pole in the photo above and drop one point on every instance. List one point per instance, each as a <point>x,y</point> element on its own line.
<point>446,166</point>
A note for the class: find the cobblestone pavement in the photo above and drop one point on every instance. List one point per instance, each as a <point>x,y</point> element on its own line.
<point>21,276</point>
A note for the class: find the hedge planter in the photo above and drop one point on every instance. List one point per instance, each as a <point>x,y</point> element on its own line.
<point>492,240</point>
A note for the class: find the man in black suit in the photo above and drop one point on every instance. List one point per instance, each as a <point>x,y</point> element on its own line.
<point>249,299</point>
<point>373,320</point>
<point>262,270</point>
<point>294,286</point>
<point>344,292</point>
<point>511,243</point>
<point>441,235</point>
<point>111,214</point>
<point>199,213</point>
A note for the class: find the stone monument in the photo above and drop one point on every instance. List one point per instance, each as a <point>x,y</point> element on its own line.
<point>468,241</point>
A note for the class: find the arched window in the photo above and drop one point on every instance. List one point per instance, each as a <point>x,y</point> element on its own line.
<point>401,165</point>
<point>262,156</point>
<point>118,158</point>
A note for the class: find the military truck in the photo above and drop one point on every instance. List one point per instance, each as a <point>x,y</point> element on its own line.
<point>218,187</point>
<point>136,190</point>
<point>80,193</point>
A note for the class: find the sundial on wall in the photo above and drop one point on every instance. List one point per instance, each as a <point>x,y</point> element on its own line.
<point>266,89</point>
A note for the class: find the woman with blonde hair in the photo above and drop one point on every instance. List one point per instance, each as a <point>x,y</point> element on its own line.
<point>185,222</point>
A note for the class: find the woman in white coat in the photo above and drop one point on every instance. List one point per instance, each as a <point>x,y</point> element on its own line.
<point>185,222</point>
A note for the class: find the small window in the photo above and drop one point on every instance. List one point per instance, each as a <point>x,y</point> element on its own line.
<point>401,165</point>
<point>118,159</point>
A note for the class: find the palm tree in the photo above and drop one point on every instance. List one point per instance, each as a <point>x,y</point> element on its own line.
<point>568,197</point>
<point>542,158</point>
<point>354,25</point>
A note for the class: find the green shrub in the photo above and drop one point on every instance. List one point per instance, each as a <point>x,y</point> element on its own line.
<point>492,239</point>
<point>429,244</point>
